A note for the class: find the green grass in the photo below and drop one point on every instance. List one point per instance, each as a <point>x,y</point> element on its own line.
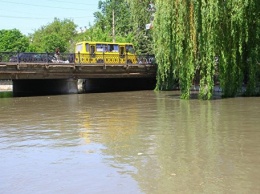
<point>6,94</point>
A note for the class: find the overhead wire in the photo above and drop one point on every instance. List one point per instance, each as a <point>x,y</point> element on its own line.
<point>42,18</point>
<point>61,6</point>
<point>36,18</point>
<point>71,2</point>
<point>69,8</point>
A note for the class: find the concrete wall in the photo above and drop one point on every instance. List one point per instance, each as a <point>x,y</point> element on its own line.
<point>6,85</point>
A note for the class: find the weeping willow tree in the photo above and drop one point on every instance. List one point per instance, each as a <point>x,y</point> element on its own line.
<point>176,44</point>
<point>209,39</point>
<point>239,46</point>
<point>207,13</point>
<point>250,49</point>
<point>164,37</point>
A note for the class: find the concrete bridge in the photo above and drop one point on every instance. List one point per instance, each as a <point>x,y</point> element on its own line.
<point>66,78</point>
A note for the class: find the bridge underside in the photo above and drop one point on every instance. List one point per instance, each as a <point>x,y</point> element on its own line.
<point>60,78</point>
<point>39,87</point>
<point>35,87</point>
<point>118,84</point>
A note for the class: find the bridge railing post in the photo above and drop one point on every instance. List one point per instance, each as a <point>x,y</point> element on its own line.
<point>79,56</point>
<point>104,57</point>
<point>18,58</point>
<point>126,57</point>
<point>47,57</point>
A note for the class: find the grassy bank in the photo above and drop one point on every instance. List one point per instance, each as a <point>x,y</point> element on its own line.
<point>6,94</point>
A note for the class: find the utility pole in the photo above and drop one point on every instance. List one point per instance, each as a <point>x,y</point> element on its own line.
<point>152,10</point>
<point>113,23</point>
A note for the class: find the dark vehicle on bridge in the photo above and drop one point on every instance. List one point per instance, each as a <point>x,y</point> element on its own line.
<point>22,57</point>
<point>44,58</point>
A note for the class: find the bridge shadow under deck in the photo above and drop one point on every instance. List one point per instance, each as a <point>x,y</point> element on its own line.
<point>41,87</point>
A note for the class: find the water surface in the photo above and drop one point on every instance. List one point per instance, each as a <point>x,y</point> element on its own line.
<point>129,142</point>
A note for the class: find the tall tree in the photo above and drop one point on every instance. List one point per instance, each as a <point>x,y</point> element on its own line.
<point>167,51</point>
<point>140,16</point>
<point>113,14</point>
<point>207,38</point>
<point>13,40</point>
<point>59,33</point>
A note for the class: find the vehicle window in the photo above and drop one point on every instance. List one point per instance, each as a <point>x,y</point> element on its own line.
<point>87,47</point>
<point>116,48</point>
<point>100,47</point>
<point>105,47</point>
<point>122,50</point>
<point>130,49</point>
<point>92,49</point>
<point>113,47</point>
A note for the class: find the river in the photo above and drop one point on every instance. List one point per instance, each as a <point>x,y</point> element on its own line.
<point>130,143</point>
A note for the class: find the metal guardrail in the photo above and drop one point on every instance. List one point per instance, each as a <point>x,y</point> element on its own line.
<point>30,57</point>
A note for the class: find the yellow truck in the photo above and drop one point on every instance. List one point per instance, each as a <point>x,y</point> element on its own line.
<point>104,52</point>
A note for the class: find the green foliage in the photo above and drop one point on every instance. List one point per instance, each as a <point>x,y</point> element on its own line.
<point>238,63</point>
<point>104,19</point>
<point>211,38</point>
<point>252,47</point>
<point>6,94</point>
<point>53,41</point>
<point>130,19</point>
<point>59,33</point>
<point>207,13</point>
<point>164,51</point>
<point>13,40</point>
<point>140,16</point>
<point>173,47</point>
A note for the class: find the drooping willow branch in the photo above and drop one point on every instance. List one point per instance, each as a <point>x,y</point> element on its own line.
<point>216,39</point>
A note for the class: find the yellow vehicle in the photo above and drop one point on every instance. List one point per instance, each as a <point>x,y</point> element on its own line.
<point>105,52</point>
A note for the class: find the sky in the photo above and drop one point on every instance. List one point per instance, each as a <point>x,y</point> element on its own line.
<point>28,15</point>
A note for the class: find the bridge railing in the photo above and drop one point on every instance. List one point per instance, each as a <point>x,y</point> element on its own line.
<point>102,58</point>
<point>30,57</point>
<point>6,56</point>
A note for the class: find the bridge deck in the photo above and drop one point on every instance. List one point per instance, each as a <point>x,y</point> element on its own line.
<point>9,70</point>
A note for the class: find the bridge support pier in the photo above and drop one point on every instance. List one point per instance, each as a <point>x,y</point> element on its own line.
<point>34,87</point>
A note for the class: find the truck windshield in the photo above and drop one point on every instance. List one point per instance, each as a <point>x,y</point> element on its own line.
<point>130,49</point>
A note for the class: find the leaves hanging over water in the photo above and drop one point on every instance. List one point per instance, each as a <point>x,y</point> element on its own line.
<point>207,41</point>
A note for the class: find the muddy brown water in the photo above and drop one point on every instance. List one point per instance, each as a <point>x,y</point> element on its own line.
<point>129,142</point>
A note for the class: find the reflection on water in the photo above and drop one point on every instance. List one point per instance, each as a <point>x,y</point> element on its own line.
<point>129,142</point>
